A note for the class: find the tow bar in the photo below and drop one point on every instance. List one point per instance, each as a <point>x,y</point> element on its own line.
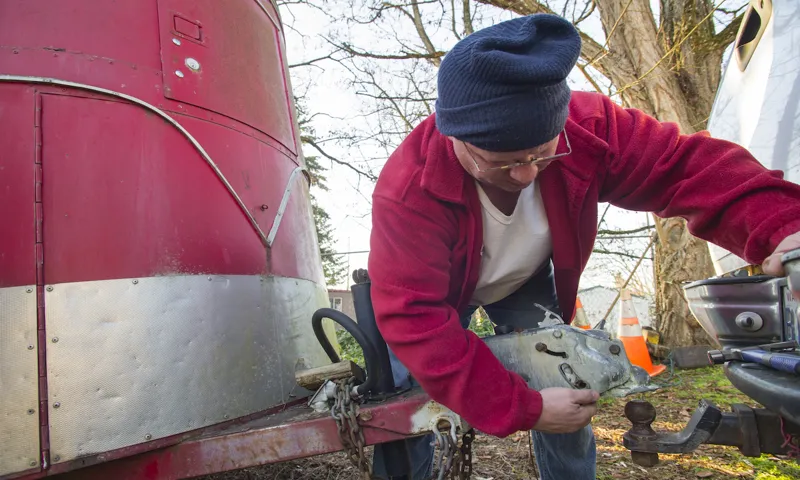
<point>753,430</point>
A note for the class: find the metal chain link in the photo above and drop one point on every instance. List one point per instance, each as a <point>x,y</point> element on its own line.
<point>345,412</point>
<point>454,462</point>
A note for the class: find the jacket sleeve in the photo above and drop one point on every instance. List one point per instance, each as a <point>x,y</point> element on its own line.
<point>409,267</point>
<point>727,197</point>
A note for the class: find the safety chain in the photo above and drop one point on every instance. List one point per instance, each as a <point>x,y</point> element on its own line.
<point>454,462</point>
<point>345,413</point>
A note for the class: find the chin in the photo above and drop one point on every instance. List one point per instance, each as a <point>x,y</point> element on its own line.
<point>515,188</point>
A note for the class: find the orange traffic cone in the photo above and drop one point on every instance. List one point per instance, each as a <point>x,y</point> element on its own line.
<point>630,332</point>
<point>580,320</point>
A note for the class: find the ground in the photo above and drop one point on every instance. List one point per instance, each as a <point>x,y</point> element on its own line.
<point>510,458</point>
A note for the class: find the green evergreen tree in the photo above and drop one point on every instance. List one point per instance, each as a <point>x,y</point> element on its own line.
<point>332,265</point>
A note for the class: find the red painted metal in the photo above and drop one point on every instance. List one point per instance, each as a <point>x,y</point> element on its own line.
<point>119,46</point>
<point>252,91</point>
<point>17,187</point>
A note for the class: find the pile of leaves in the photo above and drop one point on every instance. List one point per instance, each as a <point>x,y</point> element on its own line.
<point>511,458</point>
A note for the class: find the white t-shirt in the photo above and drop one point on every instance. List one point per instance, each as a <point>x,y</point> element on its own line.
<point>514,246</point>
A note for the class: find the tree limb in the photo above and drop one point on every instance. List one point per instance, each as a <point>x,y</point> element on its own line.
<point>399,56</point>
<point>727,35</point>
<point>625,232</point>
<point>311,62</point>
<point>310,141</point>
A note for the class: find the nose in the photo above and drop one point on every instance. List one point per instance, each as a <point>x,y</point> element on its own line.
<point>525,174</point>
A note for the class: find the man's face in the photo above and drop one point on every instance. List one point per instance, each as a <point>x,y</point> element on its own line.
<point>482,164</point>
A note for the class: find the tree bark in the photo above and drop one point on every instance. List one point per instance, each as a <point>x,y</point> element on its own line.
<point>669,70</point>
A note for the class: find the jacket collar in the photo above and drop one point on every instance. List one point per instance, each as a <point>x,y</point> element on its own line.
<point>442,170</point>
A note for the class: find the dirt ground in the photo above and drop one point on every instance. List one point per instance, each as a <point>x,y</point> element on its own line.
<point>510,458</point>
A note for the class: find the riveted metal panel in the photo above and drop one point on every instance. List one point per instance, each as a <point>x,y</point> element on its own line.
<point>134,360</point>
<point>19,380</point>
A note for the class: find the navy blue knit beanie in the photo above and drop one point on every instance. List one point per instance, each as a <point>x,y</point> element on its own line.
<point>504,88</point>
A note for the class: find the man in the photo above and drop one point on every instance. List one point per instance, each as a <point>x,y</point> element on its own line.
<point>493,201</point>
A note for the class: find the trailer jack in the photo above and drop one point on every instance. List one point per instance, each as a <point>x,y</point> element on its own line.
<point>753,430</point>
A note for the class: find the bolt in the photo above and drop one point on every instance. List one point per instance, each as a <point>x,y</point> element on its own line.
<point>56,405</point>
<point>614,349</point>
<point>31,411</point>
<point>209,279</point>
<point>176,41</point>
<point>264,208</point>
<point>365,416</point>
<point>179,73</point>
<point>55,340</point>
<point>49,289</point>
<point>193,64</point>
<point>135,282</point>
<point>645,459</point>
<point>29,290</point>
<point>30,347</point>
<point>557,334</point>
<point>541,347</point>
<point>148,437</point>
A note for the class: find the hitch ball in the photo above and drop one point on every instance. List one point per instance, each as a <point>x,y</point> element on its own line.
<point>641,414</point>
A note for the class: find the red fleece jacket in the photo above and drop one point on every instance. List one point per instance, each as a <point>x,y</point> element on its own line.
<point>427,236</point>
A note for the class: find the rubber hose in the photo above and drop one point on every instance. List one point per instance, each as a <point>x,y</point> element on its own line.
<point>370,354</point>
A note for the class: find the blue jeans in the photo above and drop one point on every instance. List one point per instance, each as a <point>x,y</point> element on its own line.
<point>559,456</point>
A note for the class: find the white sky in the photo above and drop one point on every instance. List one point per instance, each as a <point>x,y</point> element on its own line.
<point>328,95</point>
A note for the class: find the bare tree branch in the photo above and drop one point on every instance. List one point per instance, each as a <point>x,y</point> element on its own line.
<point>315,60</point>
<point>727,35</point>
<point>310,141</point>
<point>625,232</point>
<point>400,56</point>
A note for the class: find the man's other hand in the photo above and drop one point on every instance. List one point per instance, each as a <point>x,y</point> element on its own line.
<point>565,410</point>
<point>772,265</point>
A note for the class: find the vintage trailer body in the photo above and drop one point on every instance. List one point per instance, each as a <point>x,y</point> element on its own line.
<point>159,266</point>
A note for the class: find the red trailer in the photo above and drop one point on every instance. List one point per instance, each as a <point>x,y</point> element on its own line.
<point>158,260</point>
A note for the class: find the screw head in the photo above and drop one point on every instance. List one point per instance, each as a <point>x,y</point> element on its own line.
<point>55,340</point>
<point>135,282</point>
<point>57,458</point>
<point>49,289</point>
<point>148,437</point>
<point>178,74</point>
<point>176,41</point>
<point>31,411</point>
<point>193,64</point>
<point>541,347</point>
<point>29,290</point>
<point>614,349</point>
<point>56,405</point>
<point>33,463</point>
<point>557,334</point>
<point>30,347</point>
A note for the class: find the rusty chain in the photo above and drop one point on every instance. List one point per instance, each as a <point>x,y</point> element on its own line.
<point>454,462</point>
<point>345,412</point>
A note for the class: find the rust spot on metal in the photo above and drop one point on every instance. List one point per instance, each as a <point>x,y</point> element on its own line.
<point>365,416</point>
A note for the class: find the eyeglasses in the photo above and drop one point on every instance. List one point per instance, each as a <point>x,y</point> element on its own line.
<point>531,161</point>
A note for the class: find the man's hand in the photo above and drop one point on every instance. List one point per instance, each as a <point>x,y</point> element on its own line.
<point>565,410</point>
<point>772,265</point>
